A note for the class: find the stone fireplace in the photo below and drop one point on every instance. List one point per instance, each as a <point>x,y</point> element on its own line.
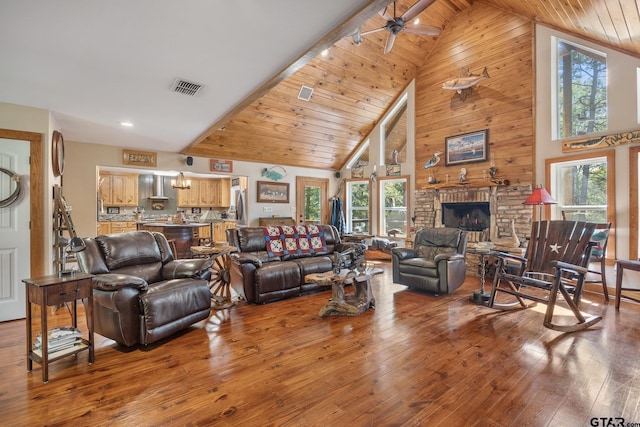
<point>485,212</point>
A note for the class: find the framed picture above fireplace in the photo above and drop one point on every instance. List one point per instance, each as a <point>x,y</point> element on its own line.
<point>466,147</point>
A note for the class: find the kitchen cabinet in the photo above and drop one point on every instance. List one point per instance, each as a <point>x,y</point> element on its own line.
<point>220,230</point>
<point>189,197</point>
<point>118,189</point>
<point>122,226</point>
<point>205,192</point>
<point>104,227</point>
<point>207,189</point>
<point>204,232</point>
<point>224,193</point>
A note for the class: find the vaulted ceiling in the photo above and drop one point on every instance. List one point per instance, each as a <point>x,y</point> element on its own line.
<point>57,57</point>
<point>354,85</point>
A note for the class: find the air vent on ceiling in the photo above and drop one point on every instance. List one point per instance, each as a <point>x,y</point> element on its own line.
<point>186,87</point>
<point>305,93</point>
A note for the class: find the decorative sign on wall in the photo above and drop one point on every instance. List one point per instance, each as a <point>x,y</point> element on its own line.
<point>139,158</point>
<point>218,165</point>
<point>601,141</point>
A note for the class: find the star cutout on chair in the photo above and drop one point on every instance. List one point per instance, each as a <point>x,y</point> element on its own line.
<point>555,247</point>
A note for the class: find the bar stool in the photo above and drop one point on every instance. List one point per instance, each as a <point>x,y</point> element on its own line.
<point>621,265</point>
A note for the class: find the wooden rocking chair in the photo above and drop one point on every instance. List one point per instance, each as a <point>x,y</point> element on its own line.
<point>556,262</point>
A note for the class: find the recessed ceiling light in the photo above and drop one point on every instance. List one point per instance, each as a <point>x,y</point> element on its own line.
<point>325,52</point>
<point>126,124</point>
<point>416,21</point>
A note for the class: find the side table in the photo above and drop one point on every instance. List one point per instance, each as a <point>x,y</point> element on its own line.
<point>481,297</point>
<point>55,290</point>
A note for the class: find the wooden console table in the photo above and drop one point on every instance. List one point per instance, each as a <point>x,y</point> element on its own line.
<point>50,291</point>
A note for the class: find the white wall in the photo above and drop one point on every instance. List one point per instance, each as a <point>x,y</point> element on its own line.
<point>622,93</point>
<point>376,157</point>
<point>81,175</point>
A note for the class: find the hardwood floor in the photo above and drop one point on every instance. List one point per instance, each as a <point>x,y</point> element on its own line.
<point>416,359</point>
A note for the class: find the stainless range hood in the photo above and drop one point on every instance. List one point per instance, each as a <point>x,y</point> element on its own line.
<point>158,188</point>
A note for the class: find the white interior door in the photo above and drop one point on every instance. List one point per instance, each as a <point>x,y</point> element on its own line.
<point>14,230</point>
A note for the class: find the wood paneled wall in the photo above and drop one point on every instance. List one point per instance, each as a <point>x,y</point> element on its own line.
<point>480,36</point>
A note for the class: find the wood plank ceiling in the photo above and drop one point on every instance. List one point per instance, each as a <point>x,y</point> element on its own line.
<point>354,85</point>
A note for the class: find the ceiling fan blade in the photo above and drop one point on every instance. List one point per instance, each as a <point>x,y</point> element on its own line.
<point>356,36</point>
<point>423,30</point>
<point>371,31</point>
<point>390,41</point>
<point>416,9</point>
<point>385,16</point>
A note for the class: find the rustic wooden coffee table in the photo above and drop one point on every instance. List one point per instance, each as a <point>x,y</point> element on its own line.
<point>345,305</point>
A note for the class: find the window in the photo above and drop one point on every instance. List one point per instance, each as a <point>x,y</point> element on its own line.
<point>357,206</point>
<point>361,158</point>
<point>585,190</point>
<point>581,189</point>
<point>394,205</point>
<point>312,205</point>
<point>581,91</point>
<point>394,133</point>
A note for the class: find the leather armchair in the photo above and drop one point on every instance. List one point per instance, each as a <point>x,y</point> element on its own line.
<point>140,293</point>
<point>436,263</point>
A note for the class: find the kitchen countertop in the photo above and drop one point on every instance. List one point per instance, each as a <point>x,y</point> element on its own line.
<point>131,218</point>
<point>174,225</point>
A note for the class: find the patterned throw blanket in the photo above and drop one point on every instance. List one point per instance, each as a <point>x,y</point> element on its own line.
<point>294,240</point>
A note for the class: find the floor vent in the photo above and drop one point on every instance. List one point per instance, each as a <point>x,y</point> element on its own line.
<point>305,93</point>
<point>186,87</point>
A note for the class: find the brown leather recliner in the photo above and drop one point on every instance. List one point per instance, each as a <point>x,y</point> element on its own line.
<point>436,263</point>
<point>140,293</point>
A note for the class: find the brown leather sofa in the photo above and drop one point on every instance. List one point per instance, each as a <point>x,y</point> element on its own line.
<point>260,278</point>
<point>436,263</point>
<point>140,293</point>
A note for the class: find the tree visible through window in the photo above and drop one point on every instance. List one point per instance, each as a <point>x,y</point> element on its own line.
<point>358,198</point>
<point>581,189</point>
<point>581,91</point>
<point>312,204</point>
<point>393,197</point>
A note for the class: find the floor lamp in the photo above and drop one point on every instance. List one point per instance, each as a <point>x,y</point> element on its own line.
<point>540,197</point>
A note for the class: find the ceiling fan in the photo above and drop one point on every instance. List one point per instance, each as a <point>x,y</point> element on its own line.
<point>396,24</point>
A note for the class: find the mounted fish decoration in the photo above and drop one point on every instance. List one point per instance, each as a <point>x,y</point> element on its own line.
<point>271,173</point>
<point>464,84</point>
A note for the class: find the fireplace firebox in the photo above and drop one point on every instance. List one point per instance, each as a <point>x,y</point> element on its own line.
<point>471,216</point>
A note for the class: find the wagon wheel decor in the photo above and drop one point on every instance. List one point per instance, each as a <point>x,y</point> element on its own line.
<point>220,282</point>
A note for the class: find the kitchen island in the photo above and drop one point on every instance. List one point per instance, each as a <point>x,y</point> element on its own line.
<point>184,235</point>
